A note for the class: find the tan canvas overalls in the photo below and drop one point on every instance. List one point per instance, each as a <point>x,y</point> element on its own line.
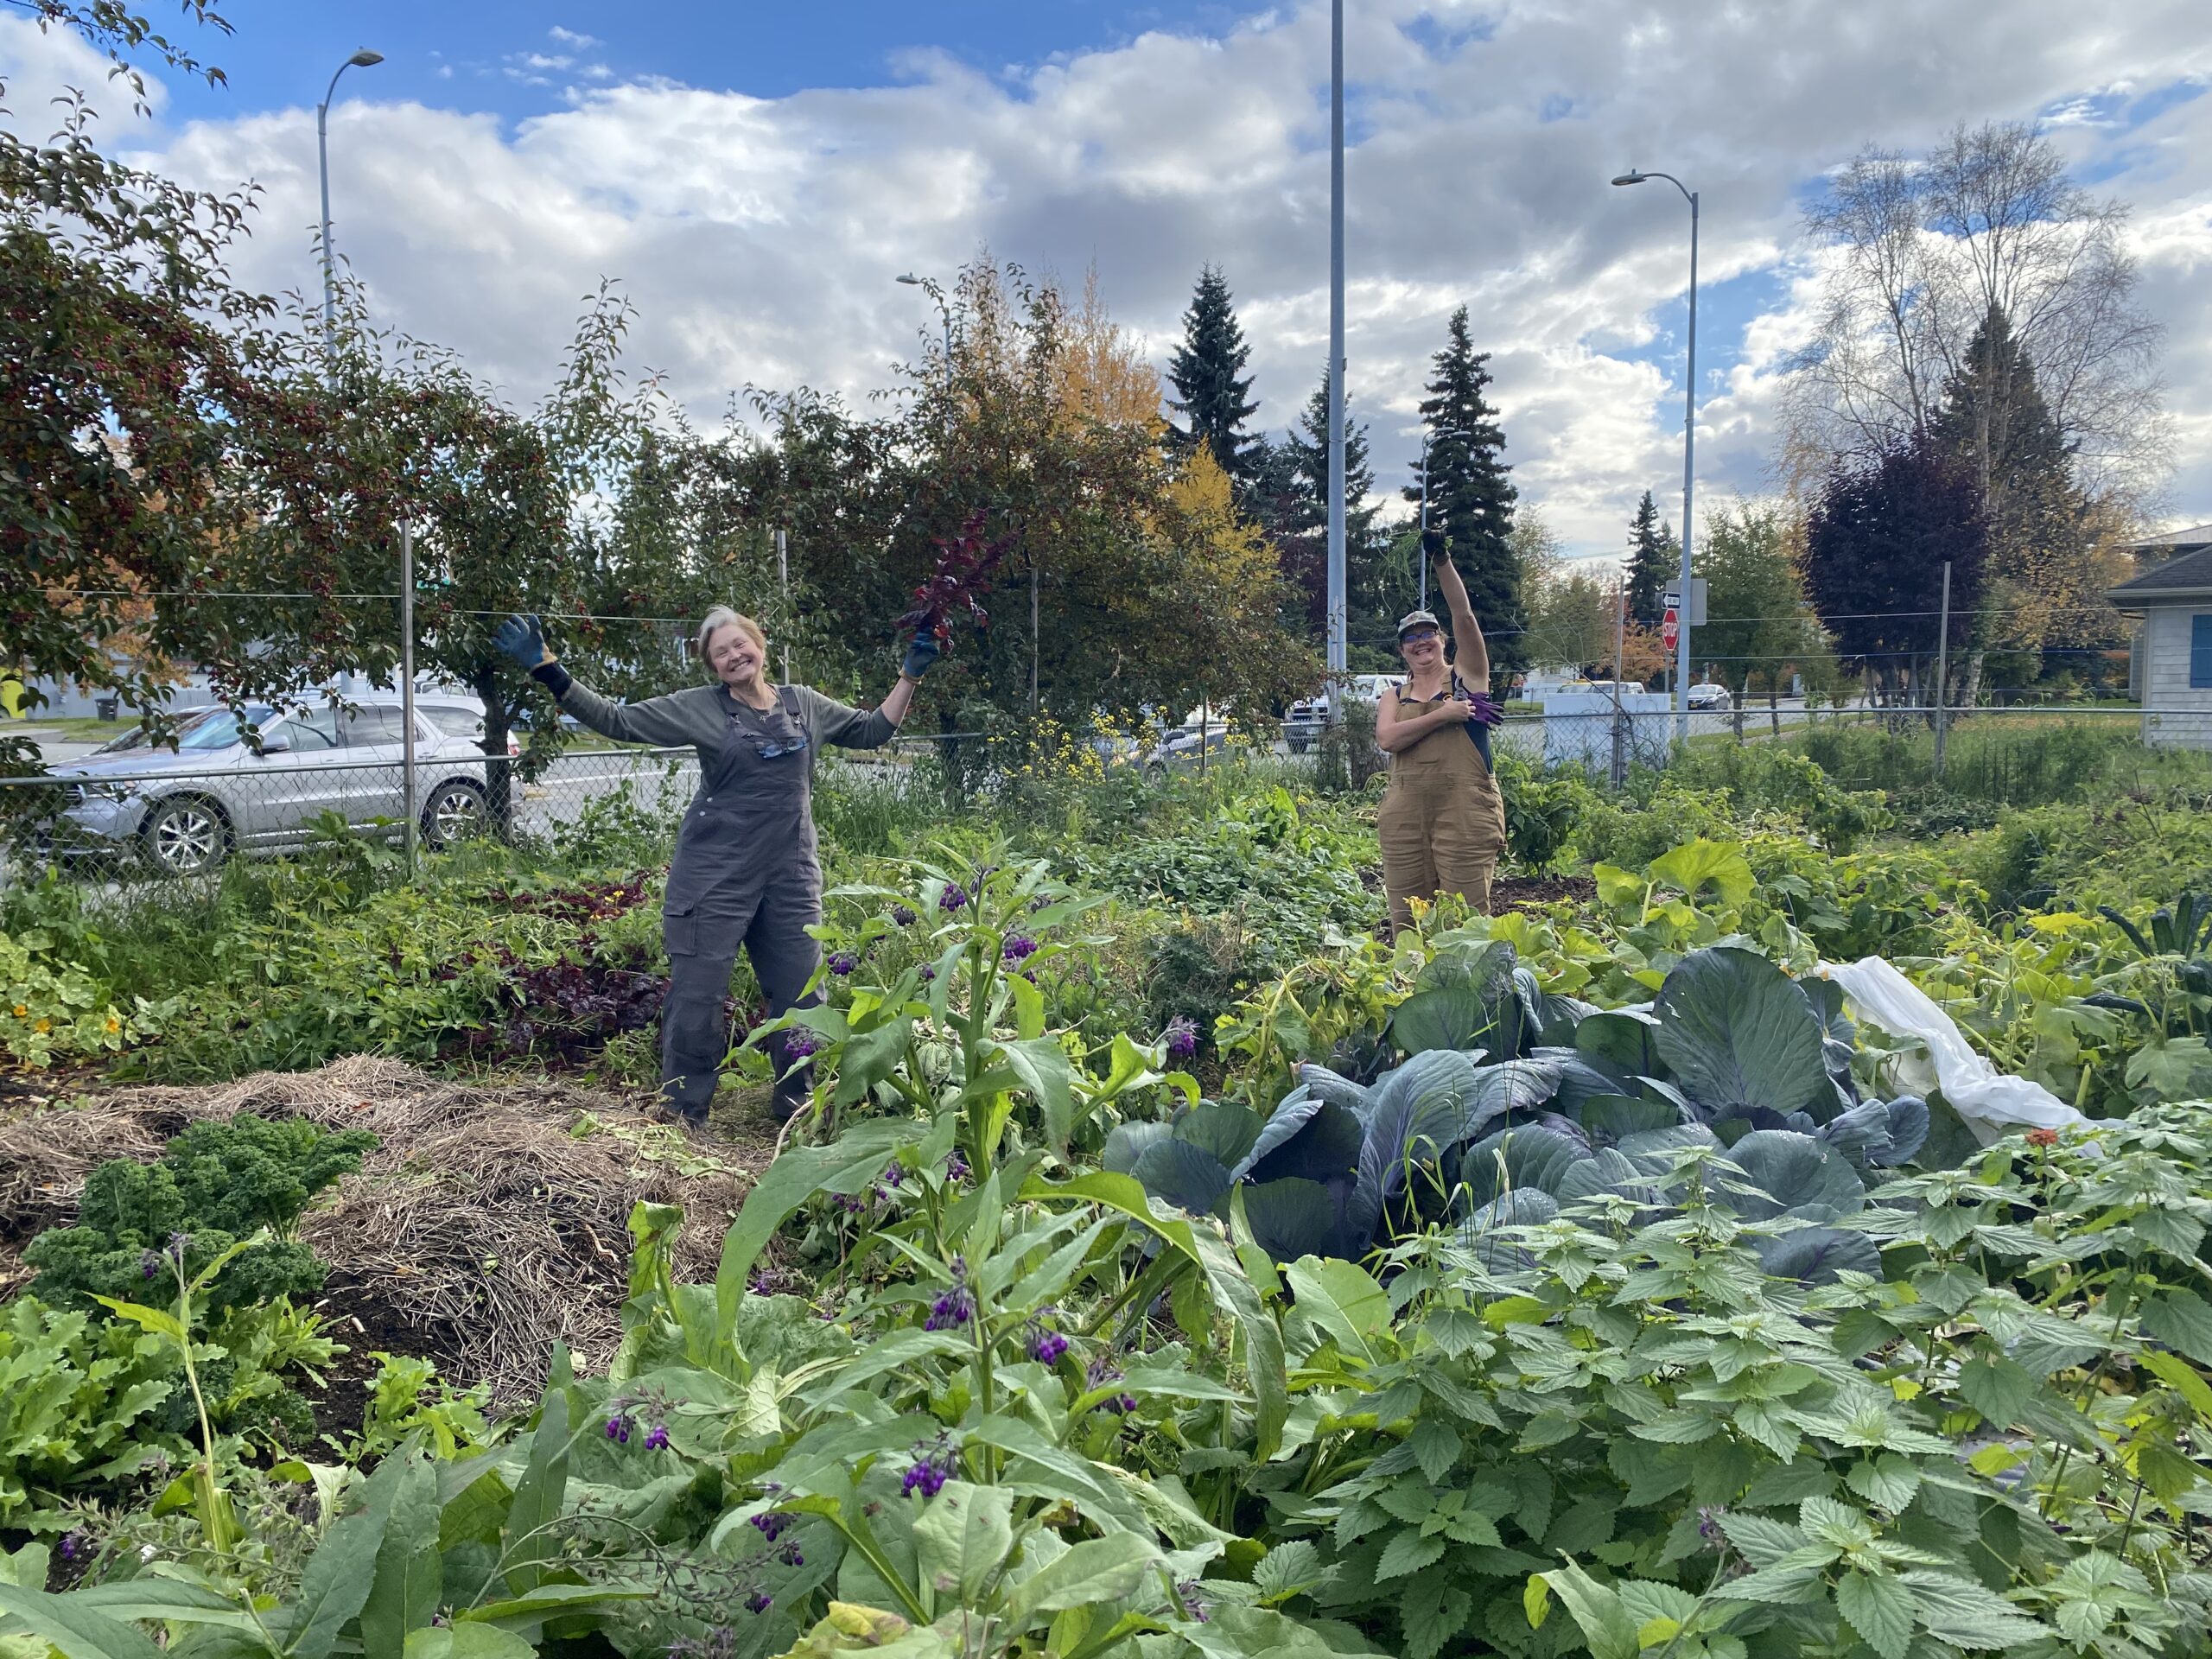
<point>1442,825</point>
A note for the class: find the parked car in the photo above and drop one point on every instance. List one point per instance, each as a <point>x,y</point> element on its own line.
<point>1305,720</point>
<point>1708,695</point>
<point>183,811</point>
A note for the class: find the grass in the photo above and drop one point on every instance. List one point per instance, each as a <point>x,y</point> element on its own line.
<point>74,729</point>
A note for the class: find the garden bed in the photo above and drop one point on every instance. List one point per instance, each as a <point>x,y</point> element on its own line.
<point>489,1224</point>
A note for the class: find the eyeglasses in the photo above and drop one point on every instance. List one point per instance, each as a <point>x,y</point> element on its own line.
<point>1418,636</point>
<point>770,750</point>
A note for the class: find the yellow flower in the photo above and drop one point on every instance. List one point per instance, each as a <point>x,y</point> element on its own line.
<point>43,1025</point>
<point>114,1024</point>
<point>22,1012</point>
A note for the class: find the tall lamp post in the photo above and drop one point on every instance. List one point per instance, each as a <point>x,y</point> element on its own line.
<point>1420,555</point>
<point>1337,620</point>
<point>1689,469</point>
<point>363,59</point>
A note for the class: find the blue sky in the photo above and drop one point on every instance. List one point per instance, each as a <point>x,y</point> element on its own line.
<point>753,177</point>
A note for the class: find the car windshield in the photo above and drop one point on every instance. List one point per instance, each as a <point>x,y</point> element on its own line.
<point>218,728</point>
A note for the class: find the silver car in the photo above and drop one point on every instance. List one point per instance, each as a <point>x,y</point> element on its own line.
<point>184,812</point>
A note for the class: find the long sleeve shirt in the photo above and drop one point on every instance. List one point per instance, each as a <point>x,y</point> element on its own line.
<point>698,716</point>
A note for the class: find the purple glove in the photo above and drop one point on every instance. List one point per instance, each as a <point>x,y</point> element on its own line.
<point>1487,713</point>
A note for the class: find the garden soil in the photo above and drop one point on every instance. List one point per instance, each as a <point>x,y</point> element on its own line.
<point>489,1224</point>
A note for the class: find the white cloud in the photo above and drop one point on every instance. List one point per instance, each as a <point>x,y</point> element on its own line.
<point>570,37</point>
<point>758,238</point>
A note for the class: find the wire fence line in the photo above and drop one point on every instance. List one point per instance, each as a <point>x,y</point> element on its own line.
<point>139,817</point>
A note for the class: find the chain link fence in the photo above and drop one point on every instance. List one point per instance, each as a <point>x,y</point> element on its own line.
<point>146,815</point>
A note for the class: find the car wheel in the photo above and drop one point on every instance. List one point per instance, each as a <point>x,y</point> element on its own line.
<point>457,810</point>
<point>186,835</point>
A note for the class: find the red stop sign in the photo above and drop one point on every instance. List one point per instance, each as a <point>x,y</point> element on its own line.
<point>1670,631</point>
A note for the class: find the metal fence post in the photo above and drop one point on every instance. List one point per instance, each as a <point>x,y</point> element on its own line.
<point>783,586</point>
<point>1942,668</point>
<point>413,831</point>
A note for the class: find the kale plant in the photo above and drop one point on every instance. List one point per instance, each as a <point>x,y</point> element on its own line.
<point>216,1183</point>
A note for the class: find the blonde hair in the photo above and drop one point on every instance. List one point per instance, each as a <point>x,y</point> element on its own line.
<point>722,617</point>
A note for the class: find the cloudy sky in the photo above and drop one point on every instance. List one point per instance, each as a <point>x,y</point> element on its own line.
<point>755,176</point>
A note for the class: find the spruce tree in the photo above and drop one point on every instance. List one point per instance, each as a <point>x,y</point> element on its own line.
<point>1469,498</point>
<point>1213,393</point>
<point>1653,566</point>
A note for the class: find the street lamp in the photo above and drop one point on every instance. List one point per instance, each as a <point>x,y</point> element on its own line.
<point>1689,469</point>
<point>1420,555</point>
<point>363,59</point>
<point>1338,605</point>
<point>928,286</point>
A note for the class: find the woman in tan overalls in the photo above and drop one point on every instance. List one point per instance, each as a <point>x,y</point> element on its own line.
<point>1442,823</point>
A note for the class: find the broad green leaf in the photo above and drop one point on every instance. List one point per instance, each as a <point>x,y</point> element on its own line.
<point>1343,1299</point>
<point>869,1056</point>
<point>1738,1034</point>
<point>410,1575</point>
<point>1045,1072</point>
<point>527,1533</point>
<point>2184,1378</point>
<point>342,1570</point>
<point>965,1536</point>
<point>466,1641</point>
<point>1889,1481</point>
<point>1879,1608</point>
<point>1759,1539</point>
<point>1094,1573</point>
<point>1997,1388</point>
<point>854,1161</point>
<point>1597,1609</point>
<point>524,1613</point>
<point>1407,1552</point>
<point>1697,867</point>
<point>1961,1612</point>
<point>2182,1319</point>
<point>74,1631</point>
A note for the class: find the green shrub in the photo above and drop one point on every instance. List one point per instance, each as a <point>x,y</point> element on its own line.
<point>77,1391</point>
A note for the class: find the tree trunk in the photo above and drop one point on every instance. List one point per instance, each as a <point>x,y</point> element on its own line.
<point>1970,680</point>
<point>499,772</point>
<point>1774,701</point>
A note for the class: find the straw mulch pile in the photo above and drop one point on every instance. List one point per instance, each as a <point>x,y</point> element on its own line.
<point>489,1222</point>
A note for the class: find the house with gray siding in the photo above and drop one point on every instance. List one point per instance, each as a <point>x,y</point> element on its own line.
<point>2172,668</point>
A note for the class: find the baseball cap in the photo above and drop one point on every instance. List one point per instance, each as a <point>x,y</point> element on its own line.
<point>1413,619</point>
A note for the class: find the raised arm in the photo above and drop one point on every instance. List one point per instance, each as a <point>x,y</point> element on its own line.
<point>1472,658</point>
<point>665,722</point>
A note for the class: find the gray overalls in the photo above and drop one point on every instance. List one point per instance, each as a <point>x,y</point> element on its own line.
<point>746,869</point>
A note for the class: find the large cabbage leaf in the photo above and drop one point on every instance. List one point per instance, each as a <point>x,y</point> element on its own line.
<point>1787,1171</point>
<point>1739,1037</point>
<point>1464,997</point>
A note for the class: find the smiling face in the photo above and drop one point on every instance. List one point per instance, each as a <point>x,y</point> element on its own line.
<point>1423,649</point>
<point>737,656</point>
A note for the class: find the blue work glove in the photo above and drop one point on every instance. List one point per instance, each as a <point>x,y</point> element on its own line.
<point>523,638</point>
<point>921,656</point>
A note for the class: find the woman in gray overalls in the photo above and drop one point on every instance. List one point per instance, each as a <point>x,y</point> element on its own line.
<point>746,869</point>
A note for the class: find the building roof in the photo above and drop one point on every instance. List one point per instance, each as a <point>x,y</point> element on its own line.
<point>2185,576</point>
<point>2174,541</point>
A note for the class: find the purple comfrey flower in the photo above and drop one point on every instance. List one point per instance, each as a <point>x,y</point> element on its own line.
<point>71,1545</point>
<point>955,1168</point>
<point>952,897</point>
<point>179,1244</point>
<point>772,1524</point>
<point>843,963</point>
<point>1708,1524</point>
<point>902,916</point>
<point>935,1462</point>
<point>894,1174</point>
<point>758,1603</point>
<point>1181,1037</point>
<point>150,1263</point>
<point>956,1306</point>
<point>789,1556</point>
<point>851,1203</point>
<point>800,1042</point>
<point>1194,1606</point>
<point>619,1427</point>
<point>1101,1371</point>
<point>773,1282</point>
<point>1045,1345</point>
<point>657,1438</point>
<point>1018,949</point>
<point>929,972</point>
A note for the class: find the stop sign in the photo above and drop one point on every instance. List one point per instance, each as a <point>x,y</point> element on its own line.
<point>1670,631</point>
